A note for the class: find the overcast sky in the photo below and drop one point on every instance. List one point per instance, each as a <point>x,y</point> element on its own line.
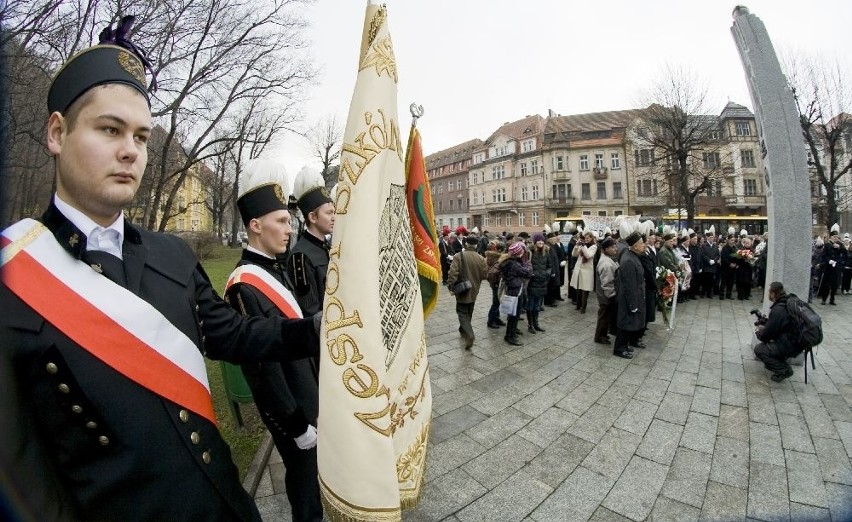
<point>475,64</point>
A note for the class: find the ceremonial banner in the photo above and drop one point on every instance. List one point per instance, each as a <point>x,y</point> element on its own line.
<point>422,217</point>
<point>375,399</point>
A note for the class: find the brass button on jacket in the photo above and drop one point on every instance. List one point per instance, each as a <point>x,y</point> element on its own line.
<point>195,437</point>
<point>103,440</point>
<point>184,416</point>
<point>51,368</point>
<point>76,408</point>
<point>64,388</point>
<point>206,457</point>
<point>91,425</point>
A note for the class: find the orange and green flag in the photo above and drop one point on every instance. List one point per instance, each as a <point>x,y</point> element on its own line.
<point>422,217</point>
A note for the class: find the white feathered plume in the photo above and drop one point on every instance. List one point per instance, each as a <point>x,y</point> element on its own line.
<point>308,179</point>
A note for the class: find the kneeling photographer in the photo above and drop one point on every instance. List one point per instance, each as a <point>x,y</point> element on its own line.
<point>776,335</point>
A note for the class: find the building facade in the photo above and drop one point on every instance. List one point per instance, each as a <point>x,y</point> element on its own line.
<point>448,180</point>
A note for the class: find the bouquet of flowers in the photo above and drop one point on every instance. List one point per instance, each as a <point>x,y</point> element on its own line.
<point>746,255</point>
<point>666,285</point>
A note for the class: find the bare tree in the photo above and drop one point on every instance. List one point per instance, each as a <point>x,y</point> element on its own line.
<point>326,138</point>
<point>677,130</point>
<point>823,97</point>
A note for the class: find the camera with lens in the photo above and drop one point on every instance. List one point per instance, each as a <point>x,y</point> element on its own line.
<point>761,319</point>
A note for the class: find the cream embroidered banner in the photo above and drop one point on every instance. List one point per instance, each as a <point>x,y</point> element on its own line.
<point>375,399</point>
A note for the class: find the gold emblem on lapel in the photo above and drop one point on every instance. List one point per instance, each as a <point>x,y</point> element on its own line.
<point>74,239</point>
<point>97,268</point>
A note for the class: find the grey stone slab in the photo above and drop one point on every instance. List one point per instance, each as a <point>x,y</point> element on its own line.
<point>593,424</point>
<point>502,461</point>
<point>634,374</point>
<point>275,507</point>
<point>458,379</point>
<point>452,423</point>
<point>794,434</point>
<point>706,401</point>
<point>636,417</point>
<point>734,393</point>
<point>674,408</point>
<point>602,514</point>
<point>683,383</point>
<point>449,401</point>
<point>807,513</point>
<point>761,409</point>
<point>839,498</point>
<point>788,408</point>
<point>576,499</point>
<point>765,444</point>
<point>514,499</point>
<point>660,442</point>
<point>723,502</point>
<point>611,455</point>
<point>689,364</point>
<point>664,370</point>
<point>767,492</point>
<point>635,492</point>
<point>264,486</point>
<point>805,479</point>
<point>668,510</point>
<point>709,377</point>
<point>733,423</point>
<point>834,462</point>
<point>837,407</point>
<point>553,465</point>
<point>450,454</point>
<point>491,403</point>
<point>548,426</point>
<point>844,430</point>
<point>618,395</point>
<point>570,379</point>
<point>499,427</point>
<point>444,497</point>
<point>733,372</point>
<point>581,398</point>
<point>730,462</point>
<point>819,421</point>
<point>699,433</point>
<point>496,381</point>
<point>540,400</point>
<point>652,390</point>
<point>687,478</point>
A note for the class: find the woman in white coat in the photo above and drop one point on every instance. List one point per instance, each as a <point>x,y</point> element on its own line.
<point>583,277</point>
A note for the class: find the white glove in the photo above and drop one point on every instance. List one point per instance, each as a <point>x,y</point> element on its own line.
<point>634,311</point>
<point>307,440</point>
<point>712,262</point>
<point>562,263</point>
<point>450,259</point>
<point>832,262</point>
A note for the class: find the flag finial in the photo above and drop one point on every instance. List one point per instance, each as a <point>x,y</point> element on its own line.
<point>416,113</point>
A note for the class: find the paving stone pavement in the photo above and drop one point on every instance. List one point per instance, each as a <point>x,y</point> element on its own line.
<point>691,429</point>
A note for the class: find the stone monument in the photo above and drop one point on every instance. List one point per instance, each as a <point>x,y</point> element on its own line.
<point>788,191</point>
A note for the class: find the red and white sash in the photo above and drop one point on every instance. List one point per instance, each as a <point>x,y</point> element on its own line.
<point>266,284</point>
<point>107,320</point>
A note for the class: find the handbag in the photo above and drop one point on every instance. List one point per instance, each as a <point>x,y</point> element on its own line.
<point>509,304</point>
<point>462,285</point>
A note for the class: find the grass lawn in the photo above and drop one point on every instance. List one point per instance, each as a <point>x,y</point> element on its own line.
<point>244,441</point>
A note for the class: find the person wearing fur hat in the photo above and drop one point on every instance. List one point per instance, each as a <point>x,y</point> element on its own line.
<point>515,273</point>
<point>728,268</point>
<point>537,287</point>
<point>470,266</point>
<point>286,394</point>
<point>308,261</point>
<point>583,278</point>
<point>630,297</point>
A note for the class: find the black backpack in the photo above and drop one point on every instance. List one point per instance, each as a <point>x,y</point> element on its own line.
<point>808,328</point>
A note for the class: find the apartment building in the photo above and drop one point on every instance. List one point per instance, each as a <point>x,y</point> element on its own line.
<point>448,179</point>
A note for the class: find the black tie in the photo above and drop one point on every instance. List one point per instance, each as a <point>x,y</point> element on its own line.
<point>106,264</point>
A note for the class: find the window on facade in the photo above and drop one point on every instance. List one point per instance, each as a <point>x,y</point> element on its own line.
<point>711,160</point>
<point>521,218</point>
<point>535,192</point>
<point>494,195</point>
<point>451,185</point>
<point>602,213</point>
<point>440,205</point>
<point>459,204</point>
<point>599,161</point>
<point>750,187</point>
<point>528,145</point>
<point>486,221</point>
<point>523,168</point>
<point>714,188</point>
<point>715,135</point>
<point>586,191</point>
<point>558,163</point>
<point>534,167</point>
<point>524,193</point>
<point>616,190</point>
<point>601,190</point>
<point>586,213</point>
<point>475,178</point>
<point>646,187</point>
<point>502,194</point>
<point>747,158</point>
<point>479,158</point>
<point>617,213</point>
<point>451,204</point>
<point>584,162</point>
<point>644,157</point>
<point>614,160</point>
<point>535,219</point>
<point>743,128</point>
<point>508,220</point>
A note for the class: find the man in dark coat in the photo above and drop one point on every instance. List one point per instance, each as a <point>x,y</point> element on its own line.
<point>710,258</point>
<point>470,266</point>
<point>776,336</point>
<point>649,267</point>
<point>554,283</point>
<point>446,255</point>
<point>630,296</point>
<point>832,265</point>
<point>106,411</point>
<point>728,270</point>
<point>286,394</point>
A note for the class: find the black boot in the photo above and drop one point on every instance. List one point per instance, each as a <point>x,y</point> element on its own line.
<point>535,322</point>
<point>531,322</point>
<point>511,331</point>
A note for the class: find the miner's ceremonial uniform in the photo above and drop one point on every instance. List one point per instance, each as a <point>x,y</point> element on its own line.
<point>82,439</point>
<point>307,267</point>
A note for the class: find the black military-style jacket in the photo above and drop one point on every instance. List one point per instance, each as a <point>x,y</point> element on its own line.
<point>286,393</point>
<point>307,267</point>
<point>80,441</point>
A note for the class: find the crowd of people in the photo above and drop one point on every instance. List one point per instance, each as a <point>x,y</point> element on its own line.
<point>624,269</point>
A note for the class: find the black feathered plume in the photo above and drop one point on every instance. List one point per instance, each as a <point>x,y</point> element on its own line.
<point>119,37</point>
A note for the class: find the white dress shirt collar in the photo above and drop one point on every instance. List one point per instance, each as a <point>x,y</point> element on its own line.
<point>107,239</point>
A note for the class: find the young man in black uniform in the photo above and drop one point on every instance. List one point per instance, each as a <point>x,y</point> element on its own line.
<point>286,393</point>
<point>106,407</point>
